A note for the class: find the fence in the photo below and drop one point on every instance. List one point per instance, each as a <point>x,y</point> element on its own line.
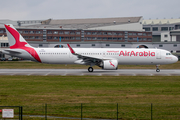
<point>79,111</point>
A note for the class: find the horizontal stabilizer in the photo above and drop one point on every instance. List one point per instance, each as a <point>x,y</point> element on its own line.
<point>12,52</point>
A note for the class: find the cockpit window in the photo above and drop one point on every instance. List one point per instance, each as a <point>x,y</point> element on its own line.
<point>168,54</point>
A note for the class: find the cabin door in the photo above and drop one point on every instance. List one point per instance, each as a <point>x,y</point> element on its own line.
<point>158,54</point>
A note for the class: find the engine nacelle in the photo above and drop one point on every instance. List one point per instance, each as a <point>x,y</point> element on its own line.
<point>110,65</point>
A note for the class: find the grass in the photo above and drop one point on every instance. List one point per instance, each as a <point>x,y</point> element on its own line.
<point>35,65</point>
<point>99,95</point>
<point>87,89</point>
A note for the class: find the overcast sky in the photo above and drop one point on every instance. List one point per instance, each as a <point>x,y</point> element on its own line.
<point>74,9</point>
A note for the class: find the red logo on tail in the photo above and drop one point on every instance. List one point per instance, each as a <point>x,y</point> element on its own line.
<point>21,45</point>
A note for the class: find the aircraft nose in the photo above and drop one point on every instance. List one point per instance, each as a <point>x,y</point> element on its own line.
<point>175,59</point>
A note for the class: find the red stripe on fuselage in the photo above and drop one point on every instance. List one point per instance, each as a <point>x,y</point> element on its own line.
<point>21,45</point>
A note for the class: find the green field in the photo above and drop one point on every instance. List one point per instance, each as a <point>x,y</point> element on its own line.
<point>35,65</point>
<point>36,90</point>
<point>99,95</point>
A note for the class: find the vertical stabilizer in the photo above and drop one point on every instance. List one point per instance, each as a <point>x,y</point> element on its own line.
<point>15,39</point>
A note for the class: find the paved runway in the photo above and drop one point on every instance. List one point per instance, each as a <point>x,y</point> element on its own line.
<point>97,72</point>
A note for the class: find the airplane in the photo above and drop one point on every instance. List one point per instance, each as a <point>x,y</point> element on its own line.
<point>105,58</point>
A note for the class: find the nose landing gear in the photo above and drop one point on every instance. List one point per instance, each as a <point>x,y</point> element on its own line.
<point>157,68</point>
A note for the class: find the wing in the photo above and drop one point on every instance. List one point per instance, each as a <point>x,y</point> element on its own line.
<point>87,60</point>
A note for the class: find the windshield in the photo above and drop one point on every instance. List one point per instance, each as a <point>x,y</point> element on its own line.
<point>168,54</point>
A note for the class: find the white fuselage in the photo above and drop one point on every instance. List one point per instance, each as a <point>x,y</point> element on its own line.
<point>123,56</point>
<point>106,58</point>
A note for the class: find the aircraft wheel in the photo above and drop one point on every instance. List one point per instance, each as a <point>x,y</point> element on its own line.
<point>157,70</point>
<point>90,69</point>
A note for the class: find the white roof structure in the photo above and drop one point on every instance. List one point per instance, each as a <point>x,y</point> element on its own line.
<point>161,21</point>
<point>6,21</point>
<point>118,23</point>
<point>96,20</point>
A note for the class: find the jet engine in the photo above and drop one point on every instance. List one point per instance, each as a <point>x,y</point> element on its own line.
<point>110,65</point>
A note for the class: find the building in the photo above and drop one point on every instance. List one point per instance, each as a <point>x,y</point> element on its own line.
<point>121,32</point>
<point>163,30</point>
<point>126,29</point>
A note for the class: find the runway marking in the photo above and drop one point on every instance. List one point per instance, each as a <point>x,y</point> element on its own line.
<point>83,72</point>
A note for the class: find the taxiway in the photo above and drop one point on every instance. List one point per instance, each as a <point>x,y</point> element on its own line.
<point>97,72</point>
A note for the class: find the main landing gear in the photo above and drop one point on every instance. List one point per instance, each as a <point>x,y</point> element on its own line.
<point>90,69</point>
<point>157,68</point>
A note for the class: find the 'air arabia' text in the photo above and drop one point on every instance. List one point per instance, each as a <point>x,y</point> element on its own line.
<point>130,53</point>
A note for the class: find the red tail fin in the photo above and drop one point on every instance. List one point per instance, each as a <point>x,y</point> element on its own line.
<point>16,41</point>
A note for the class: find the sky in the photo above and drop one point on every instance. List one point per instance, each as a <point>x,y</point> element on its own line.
<point>78,9</point>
